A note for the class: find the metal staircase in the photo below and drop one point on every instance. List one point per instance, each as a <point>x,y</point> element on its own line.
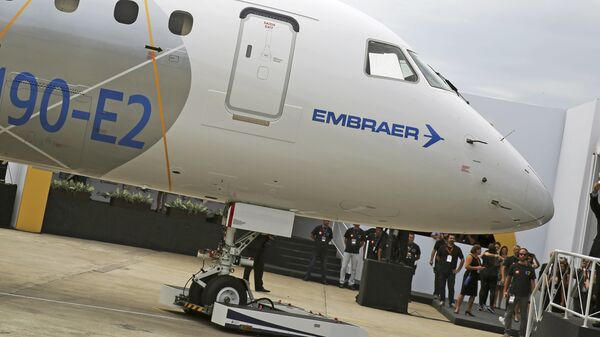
<point>566,287</point>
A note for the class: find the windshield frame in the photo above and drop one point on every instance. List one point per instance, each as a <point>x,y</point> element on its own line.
<point>404,52</point>
<point>418,62</point>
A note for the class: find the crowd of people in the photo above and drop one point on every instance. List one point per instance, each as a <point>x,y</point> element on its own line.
<point>374,241</point>
<point>503,278</point>
<point>499,278</point>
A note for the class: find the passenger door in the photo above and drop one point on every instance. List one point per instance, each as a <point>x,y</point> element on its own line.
<point>263,60</point>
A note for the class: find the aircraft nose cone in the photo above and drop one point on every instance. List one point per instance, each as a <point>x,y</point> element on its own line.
<point>548,206</point>
<point>539,203</point>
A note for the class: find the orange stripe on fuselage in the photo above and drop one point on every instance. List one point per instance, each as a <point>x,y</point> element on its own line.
<point>159,96</point>
<point>12,21</point>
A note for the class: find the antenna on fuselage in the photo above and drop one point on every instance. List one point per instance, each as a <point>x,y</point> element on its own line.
<point>510,133</point>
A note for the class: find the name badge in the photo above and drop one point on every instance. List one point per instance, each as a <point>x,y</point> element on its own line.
<point>449,258</point>
<point>511,299</point>
<point>323,239</point>
<point>353,241</point>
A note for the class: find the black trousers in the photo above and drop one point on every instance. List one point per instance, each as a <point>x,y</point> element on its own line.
<point>488,286</point>
<point>523,304</point>
<point>259,269</point>
<point>447,278</point>
<point>320,254</point>
<point>436,281</point>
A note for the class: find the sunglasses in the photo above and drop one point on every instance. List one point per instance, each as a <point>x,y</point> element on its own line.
<point>521,254</point>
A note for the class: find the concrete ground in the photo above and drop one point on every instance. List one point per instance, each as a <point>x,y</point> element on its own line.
<point>57,286</point>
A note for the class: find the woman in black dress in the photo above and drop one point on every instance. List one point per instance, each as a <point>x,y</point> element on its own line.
<point>489,278</point>
<point>470,280</point>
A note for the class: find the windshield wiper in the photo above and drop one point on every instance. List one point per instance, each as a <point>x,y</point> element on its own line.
<point>454,88</point>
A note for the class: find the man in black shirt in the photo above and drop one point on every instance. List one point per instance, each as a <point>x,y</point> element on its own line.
<point>321,236</point>
<point>520,282</point>
<point>509,261</point>
<point>440,240</point>
<point>354,239</point>
<point>376,240</point>
<point>447,258</point>
<point>413,252</point>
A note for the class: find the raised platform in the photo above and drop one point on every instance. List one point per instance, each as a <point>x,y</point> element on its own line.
<point>554,325</point>
<point>483,320</point>
<point>419,297</point>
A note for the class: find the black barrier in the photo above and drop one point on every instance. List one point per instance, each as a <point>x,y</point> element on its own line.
<point>385,286</point>
<point>7,202</point>
<point>91,220</point>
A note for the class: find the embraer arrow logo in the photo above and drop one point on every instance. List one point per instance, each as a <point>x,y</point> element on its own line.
<point>433,138</point>
<point>390,129</point>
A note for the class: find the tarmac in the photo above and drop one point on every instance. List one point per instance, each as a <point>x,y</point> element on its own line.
<point>56,286</point>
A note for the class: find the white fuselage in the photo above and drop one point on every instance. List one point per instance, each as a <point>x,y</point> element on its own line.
<point>323,154</point>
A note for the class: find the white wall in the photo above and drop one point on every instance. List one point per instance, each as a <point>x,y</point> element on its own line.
<point>574,177</point>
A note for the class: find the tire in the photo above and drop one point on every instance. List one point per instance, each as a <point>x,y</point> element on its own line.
<point>195,293</point>
<point>230,289</point>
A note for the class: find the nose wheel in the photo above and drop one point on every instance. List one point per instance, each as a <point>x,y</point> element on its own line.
<point>225,289</point>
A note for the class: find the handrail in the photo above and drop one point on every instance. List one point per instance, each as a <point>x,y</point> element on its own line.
<point>340,252</point>
<point>556,280</point>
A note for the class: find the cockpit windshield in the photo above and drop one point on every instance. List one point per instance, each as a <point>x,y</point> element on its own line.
<point>388,61</point>
<point>430,74</point>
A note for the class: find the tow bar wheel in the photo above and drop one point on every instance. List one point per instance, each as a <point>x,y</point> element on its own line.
<point>225,289</point>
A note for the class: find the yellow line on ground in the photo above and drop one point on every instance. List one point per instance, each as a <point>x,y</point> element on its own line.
<point>12,21</point>
<point>159,97</point>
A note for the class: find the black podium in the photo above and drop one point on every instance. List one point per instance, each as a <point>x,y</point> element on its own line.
<point>385,286</point>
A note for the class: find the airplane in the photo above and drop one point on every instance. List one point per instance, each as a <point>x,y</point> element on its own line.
<point>308,106</point>
<point>311,107</point>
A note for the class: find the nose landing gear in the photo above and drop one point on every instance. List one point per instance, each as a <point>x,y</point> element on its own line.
<point>228,299</point>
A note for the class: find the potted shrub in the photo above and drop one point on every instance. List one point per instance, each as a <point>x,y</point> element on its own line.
<point>181,208</point>
<point>71,189</point>
<point>215,217</point>
<point>126,199</point>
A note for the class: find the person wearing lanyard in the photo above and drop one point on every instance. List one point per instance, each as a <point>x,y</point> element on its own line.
<point>321,235</point>
<point>376,240</point>
<point>470,280</point>
<point>413,253</point>
<point>520,282</point>
<point>354,239</point>
<point>447,258</point>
